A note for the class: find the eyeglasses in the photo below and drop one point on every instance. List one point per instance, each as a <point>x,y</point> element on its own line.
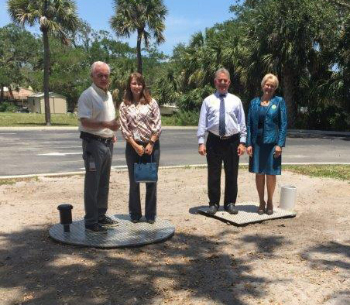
<point>102,75</point>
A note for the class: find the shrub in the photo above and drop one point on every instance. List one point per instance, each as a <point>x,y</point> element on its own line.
<point>328,117</point>
<point>8,107</point>
<point>187,118</point>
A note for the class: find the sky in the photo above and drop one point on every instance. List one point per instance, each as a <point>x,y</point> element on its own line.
<point>185,18</point>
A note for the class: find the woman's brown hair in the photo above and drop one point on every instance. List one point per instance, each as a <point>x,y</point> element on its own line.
<point>145,95</point>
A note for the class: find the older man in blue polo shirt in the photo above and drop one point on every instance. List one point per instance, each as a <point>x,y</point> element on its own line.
<point>222,116</point>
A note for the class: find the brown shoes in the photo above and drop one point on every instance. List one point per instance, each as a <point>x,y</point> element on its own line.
<point>269,209</point>
<point>261,210</point>
<point>265,209</point>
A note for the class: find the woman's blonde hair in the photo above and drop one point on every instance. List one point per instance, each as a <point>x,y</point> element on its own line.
<point>272,77</point>
<point>145,95</point>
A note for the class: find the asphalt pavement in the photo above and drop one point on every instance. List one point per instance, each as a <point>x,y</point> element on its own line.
<point>48,150</point>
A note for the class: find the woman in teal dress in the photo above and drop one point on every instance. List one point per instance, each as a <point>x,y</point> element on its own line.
<point>266,135</point>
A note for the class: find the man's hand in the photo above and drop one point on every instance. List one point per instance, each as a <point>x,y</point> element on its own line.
<point>97,125</point>
<point>250,151</point>
<point>202,150</point>
<point>112,125</point>
<point>240,149</point>
<point>114,139</point>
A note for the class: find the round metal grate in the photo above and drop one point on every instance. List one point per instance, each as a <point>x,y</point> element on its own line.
<point>123,234</point>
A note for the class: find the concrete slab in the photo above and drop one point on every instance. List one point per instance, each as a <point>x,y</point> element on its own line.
<point>247,214</point>
<point>124,234</point>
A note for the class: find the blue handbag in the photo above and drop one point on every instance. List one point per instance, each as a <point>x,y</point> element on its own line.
<point>146,172</point>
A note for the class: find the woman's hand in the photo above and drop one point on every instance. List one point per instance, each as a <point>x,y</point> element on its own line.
<point>149,149</point>
<point>278,151</point>
<point>250,151</point>
<point>140,150</point>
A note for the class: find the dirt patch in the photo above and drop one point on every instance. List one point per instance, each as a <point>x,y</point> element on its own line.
<point>303,260</point>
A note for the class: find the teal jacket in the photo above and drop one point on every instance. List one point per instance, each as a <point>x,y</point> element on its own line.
<point>275,124</point>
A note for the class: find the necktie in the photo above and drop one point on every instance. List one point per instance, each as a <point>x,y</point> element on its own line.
<point>222,131</point>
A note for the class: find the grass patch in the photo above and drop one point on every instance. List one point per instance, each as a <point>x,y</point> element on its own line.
<point>8,119</point>
<point>168,120</point>
<point>11,181</point>
<point>341,172</point>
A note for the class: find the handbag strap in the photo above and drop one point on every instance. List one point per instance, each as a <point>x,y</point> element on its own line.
<point>142,156</point>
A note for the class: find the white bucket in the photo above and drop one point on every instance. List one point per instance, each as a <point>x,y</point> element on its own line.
<point>288,196</point>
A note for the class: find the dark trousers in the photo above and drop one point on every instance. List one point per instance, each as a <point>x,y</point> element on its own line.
<point>134,190</point>
<point>219,151</point>
<point>98,160</point>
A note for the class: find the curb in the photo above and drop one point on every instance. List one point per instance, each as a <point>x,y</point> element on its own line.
<point>290,132</point>
<point>124,168</point>
<point>46,128</point>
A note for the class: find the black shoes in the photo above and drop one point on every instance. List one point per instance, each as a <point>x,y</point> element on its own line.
<point>212,209</point>
<point>95,228</point>
<point>231,209</point>
<point>135,219</point>
<point>100,226</point>
<point>107,221</point>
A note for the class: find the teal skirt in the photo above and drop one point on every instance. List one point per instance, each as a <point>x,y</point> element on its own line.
<point>263,160</point>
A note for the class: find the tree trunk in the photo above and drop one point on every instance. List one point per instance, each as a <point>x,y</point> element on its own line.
<point>46,77</point>
<point>288,92</point>
<point>346,94</point>
<point>11,93</point>
<point>2,93</point>
<point>138,48</point>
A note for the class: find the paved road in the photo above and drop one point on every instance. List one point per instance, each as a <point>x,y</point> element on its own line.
<point>26,152</point>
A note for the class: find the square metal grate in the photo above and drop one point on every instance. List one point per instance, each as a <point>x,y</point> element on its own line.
<point>247,214</point>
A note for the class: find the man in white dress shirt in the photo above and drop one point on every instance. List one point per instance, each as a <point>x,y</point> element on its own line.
<point>97,126</point>
<point>222,116</point>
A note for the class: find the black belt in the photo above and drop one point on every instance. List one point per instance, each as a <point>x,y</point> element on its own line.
<point>89,136</point>
<point>234,136</point>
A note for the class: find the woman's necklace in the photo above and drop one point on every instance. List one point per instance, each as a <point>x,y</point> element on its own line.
<point>136,104</point>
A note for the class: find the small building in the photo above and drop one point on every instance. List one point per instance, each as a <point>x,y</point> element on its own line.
<point>168,109</point>
<point>18,95</point>
<point>58,103</point>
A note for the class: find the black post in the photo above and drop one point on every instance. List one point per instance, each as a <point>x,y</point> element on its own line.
<point>65,215</point>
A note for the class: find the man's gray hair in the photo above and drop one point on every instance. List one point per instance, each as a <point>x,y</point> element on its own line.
<point>222,70</point>
<point>99,63</point>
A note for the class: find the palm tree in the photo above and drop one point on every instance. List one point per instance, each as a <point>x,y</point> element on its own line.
<point>55,17</point>
<point>146,17</point>
<point>280,37</point>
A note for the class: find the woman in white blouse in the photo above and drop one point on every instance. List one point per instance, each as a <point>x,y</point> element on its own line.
<point>141,127</point>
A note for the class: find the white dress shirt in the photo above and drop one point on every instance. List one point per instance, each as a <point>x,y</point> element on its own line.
<point>96,104</point>
<point>210,114</point>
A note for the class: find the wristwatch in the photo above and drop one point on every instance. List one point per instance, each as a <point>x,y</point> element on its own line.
<point>151,142</point>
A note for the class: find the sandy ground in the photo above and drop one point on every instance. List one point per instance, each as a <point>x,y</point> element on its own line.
<point>302,260</point>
